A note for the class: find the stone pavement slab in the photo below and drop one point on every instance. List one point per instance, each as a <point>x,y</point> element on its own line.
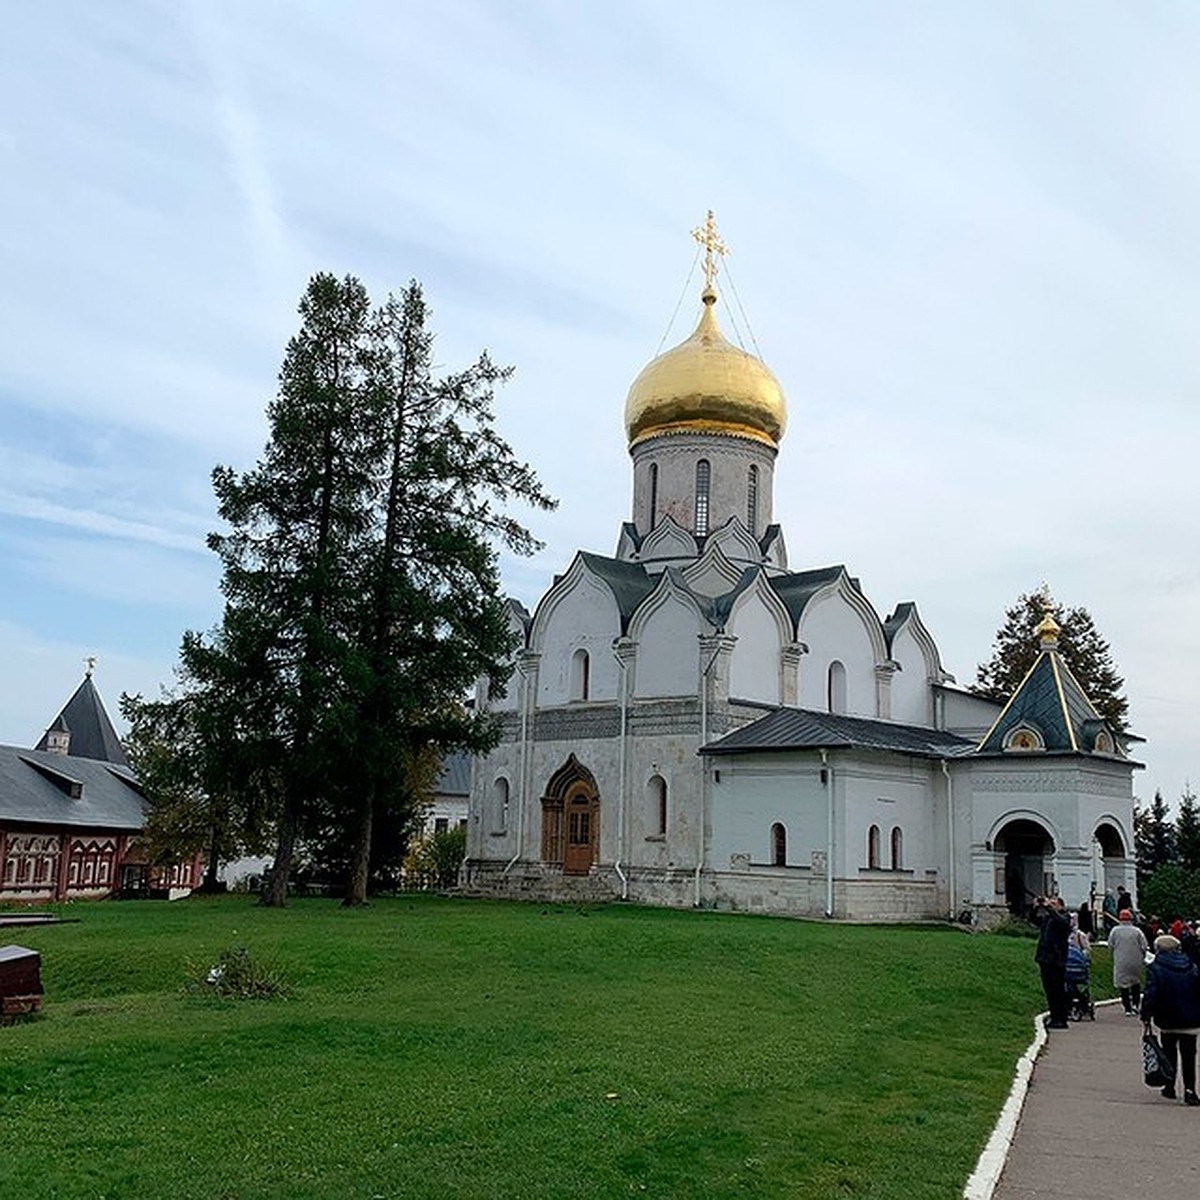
<point>1090,1129</point>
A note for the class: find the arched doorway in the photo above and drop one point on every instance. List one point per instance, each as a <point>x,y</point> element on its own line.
<point>1114,862</point>
<point>1028,850</point>
<point>570,818</point>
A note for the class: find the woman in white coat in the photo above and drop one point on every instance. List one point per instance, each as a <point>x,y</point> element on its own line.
<point>1128,946</point>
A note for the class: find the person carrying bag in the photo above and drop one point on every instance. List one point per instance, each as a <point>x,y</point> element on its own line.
<point>1172,1001</point>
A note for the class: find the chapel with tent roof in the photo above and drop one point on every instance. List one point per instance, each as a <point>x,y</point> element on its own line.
<point>691,722</point>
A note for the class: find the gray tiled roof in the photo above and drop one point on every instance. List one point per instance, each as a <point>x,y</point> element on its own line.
<point>92,733</point>
<point>455,779</point>
<point>629,582</point>
<point>807,729</point>
<point>1051,700</point>
<point>797,588</point>
<point>54,789</point>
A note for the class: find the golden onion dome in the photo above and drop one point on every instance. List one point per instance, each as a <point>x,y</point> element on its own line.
<point>706,385</point>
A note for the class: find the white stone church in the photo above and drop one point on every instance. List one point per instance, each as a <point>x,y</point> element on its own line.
<point>692,723</point>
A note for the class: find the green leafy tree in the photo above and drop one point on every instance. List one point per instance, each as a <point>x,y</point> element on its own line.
<point>1187,833</point>
<point>1079,642</point>
<point>1170,892</point>
<point>200,801</point>
<point>331,841</point>
<point>435,861</point>
<point>1154,838</point>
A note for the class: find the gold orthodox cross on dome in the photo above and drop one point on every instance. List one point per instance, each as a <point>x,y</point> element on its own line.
<point>714,248</point>
<point>90,663</point>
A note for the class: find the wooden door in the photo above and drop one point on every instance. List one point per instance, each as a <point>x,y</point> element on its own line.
<point>579,852</point>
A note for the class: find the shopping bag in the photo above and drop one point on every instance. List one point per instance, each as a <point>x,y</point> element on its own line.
<point>1157,1069</point>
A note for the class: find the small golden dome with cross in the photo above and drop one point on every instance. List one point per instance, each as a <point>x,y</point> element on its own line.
<point>706,384</point>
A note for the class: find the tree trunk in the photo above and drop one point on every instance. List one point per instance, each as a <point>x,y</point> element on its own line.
<point>275,893</point>
<point>360,864</point>
<point>209,883</point>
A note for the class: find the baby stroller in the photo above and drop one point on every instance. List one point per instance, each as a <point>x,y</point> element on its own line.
<point>1079,995</point>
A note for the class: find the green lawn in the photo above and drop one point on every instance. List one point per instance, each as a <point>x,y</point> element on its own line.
<point>443,1048</point>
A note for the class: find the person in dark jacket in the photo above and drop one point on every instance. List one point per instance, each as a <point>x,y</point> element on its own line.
<point>1172,1001</point>
<point>1051,956</point>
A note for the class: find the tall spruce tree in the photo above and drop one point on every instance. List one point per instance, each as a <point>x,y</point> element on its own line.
<point>360,570</point>
<point>1079,642</point>
<point>1187,832</point>
<point>433,618</point>
<point>1154,837</point>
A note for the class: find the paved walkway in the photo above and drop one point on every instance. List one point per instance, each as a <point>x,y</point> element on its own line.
<point>1089,1128</point>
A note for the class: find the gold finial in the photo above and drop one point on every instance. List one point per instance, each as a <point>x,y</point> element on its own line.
<point>714,248</point>
<point>90,663</point>
<point>1047,632</point>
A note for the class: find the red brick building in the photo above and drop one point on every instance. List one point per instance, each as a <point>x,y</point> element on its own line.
<point>71,815</point>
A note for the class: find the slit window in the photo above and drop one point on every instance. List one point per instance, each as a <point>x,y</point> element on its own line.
<point>703,483</point>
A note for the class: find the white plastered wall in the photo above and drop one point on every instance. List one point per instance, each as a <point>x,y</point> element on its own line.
<point>754,669</point>
<point>585,617</point>
<point>834,630</point>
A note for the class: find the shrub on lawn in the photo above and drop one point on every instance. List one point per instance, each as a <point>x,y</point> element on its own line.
<point>237,975</point>
<point>1015,927</point>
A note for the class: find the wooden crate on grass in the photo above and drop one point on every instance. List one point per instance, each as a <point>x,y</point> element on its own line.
<point>20,981</point>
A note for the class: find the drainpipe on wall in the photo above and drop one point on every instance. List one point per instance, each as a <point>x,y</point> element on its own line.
<point>953,873</point>
<point>522,770</point>
<point>827,780</point>
<point>705,676</point>
<point>623,667</point>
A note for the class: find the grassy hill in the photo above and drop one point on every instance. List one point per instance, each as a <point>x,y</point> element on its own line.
<point>444,1048</point>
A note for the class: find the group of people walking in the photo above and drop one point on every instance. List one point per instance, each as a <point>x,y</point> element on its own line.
<point>1170,998</point>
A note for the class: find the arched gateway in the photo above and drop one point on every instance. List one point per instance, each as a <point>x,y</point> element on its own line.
<point>1028,851</point>
<point>570,818</point>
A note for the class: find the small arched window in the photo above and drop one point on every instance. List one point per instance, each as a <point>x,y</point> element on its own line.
<point>836,689</point>
<point>752,500</point>
<point>656,806</point>
<point>653,495</point>
<point>580,675</point>
<point>703,482</point>
<point>897,849</point>
<point>778,845</point>
<point>873,848</point>
<point>499,822</point>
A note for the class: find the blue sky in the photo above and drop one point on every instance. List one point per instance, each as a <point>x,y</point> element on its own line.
<point>967,238</point>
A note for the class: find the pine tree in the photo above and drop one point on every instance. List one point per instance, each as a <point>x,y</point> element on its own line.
<point>1079,642</point>
<point>360,573</point>
<point>1187,832</point>
<point>433,619</point>
<point>1154,837</point>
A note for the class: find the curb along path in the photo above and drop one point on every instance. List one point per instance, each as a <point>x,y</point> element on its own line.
<point>1089,1128</point>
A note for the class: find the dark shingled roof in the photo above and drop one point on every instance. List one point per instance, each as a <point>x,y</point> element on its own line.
<point>92,733</point>
<point>797,588</point>
<point>630,583</point>
<point>807,729</point>
<point>55,789</point>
